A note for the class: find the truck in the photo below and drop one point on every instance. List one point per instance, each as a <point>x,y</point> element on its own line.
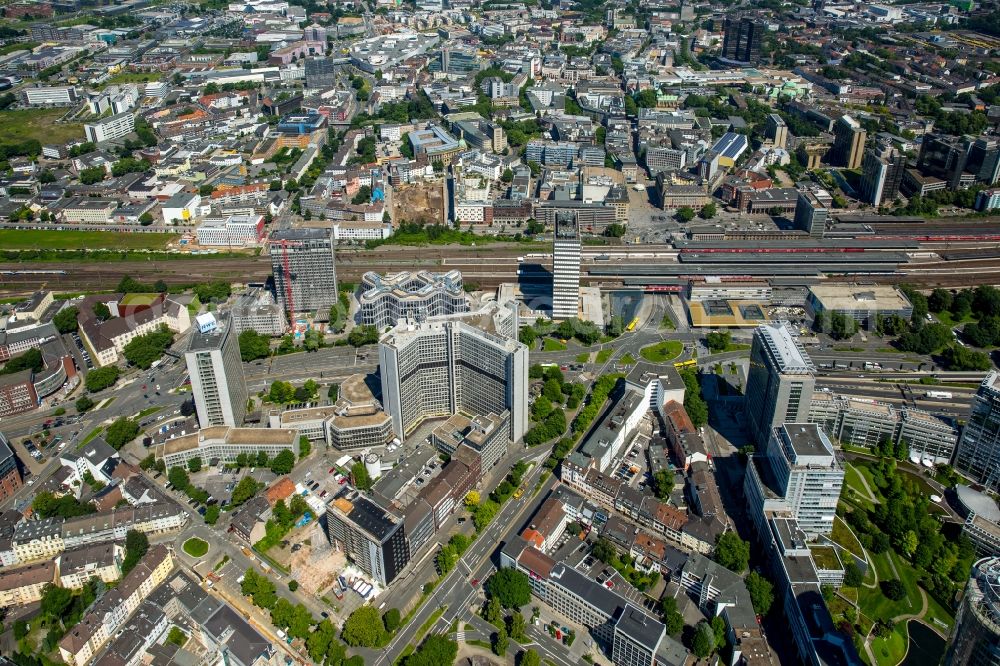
<point>940,395</point>
<point>155,363</point>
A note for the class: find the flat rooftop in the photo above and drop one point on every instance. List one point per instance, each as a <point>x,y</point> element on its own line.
<point>807,439</point>
<point>859,297</point>
<point>784,348</point>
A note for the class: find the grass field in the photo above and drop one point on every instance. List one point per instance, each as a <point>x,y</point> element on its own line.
<point>604,355</point>
<point>195,547</point>
<point>854,490</point>
<point>876,605</point>
<point>132,77</point>
<point>667,323</point>
<point>662,352</point>
<point>628,359</point>
<point>843,536</point>
<point>889,651</point>
<point>551,345</point>
<point>23,239</point>
<point>40,124</point>
<point>583,358</point>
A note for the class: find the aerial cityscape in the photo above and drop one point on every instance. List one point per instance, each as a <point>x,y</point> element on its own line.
<point>489,332</point>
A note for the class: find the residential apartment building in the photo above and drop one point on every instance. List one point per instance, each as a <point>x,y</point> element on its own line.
<point>780,380</point>
<point>99,560</point>
<point>384,300</point>
<point>216,371</point>
<point>110,128</point>
<point>978,454</point>
<point>810,214</point>
<point>225,444</point>
<point>741,41</point>
<point>373,538</point>
<point>24,585</point>
<point>445,366</point>
<point>302,261</point>
<point>881,176</point>
<point>112,610</point>
<point>848,143</point>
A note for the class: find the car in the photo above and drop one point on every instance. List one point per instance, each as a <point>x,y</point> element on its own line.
<point>475,582</point>
<point>332,470</point>
<point>343,481</point>
<point>323,494</point>
<point>201,510</point>
<point>461,520</point>
<point>324,615</point>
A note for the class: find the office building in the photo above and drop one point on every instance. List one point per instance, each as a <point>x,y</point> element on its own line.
<point>459,61</point>
<point>471,364</point>
<point>848,143</point>
<point>225,444</point>
<point>797,475</point>
<point>978,454</point>
<point>216,371</point>
<point>810,214</point>
<point>373,538</point>
<point>984,160</point>
<point>881,175</point>
<point>256,310</point>
<point>742,39</point>
<point>620,628</point>
<point>386,299</point>
<point>302,261</point>
<point>982,520</point>
<point>321,72</point>
<point>780,381</point>
<point>566,267</point>
<point>946,158</point>
<point>110,128</point>
<point>231,231</point>
<point>10,473</point>
<point>776,131</point>
<point>51,96</point>
<point>975,639</point>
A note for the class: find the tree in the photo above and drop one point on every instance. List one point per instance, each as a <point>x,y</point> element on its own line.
<point>293,585</point>
<point>391,619</point>
<point>761,593</point>
<point>493,613</point>
<point>603,550</point>
<point>672,618</point>
<point>472,499</point>
<point>101,311</point>
<point>145,350</point>
<point>530,658</point>
<point>146,219</point>
<point>707,211</point>
<point>253,345</point>
<point>517,627</point>
<point>99,379</point>
<point>121,432</point>
<point>703,642</point>
<point>55,601</point>
<point>939,300</point>
<point>500,641</point>
<point>718,341</point>
<point>283,462</point>
<point>507,176</point>
<point>281,392</point>
<point>436,650</point>
<point>212,512</point>
<point>65,320</point>
<point>244,490</point>
<point>511,588</point>
<point>364,628</point>
<point>362,480</point>
<point>84,403</point>
<point>842,327</point>
<point>893,589</point>
<point>852,575</point>
<point>305,447</point>
<point>92,175</point>
<point>732,552</point>
<point>685,214</point>
<point>136,545</point>
<point>194,465</point>
<point>178,478</point>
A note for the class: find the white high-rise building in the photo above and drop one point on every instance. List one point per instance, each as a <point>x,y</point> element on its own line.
<point>470,364</point>
<point>217,383</point>
<point>780,380</point>
<point>566,268</point>
<point>798,474</point>
<point>978,454</point>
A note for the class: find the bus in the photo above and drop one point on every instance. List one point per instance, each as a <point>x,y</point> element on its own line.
<point>632,324</point>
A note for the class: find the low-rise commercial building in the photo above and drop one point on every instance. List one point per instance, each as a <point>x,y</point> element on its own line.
<point>225,444</point>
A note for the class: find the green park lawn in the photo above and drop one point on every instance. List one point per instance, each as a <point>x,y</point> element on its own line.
<point>39,124</point>
<point>662,352</point>
<point>34,239</point>
<point>889,651</point>
<point>854,490</point>
<point>195,547</point>
<point>604,355</point>
<point>553,345</point>
<point>843,536</point>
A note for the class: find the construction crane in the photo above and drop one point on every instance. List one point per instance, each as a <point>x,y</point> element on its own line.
<point>285,244</point>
